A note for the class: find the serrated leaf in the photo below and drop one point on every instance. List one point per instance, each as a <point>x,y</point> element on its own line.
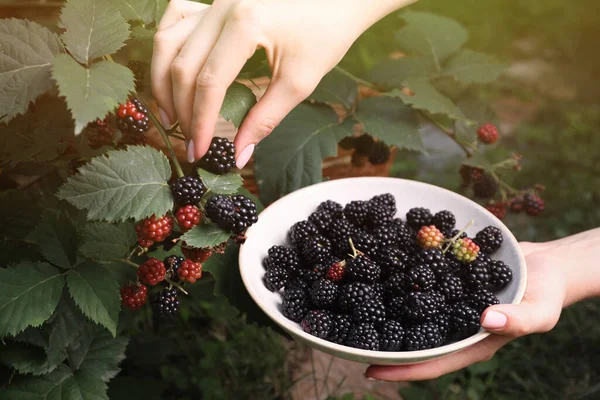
<point>93,92</point>
<point>478,160</point>
<point>239,99</point>
<point>205,235</point>
<point>103,241</point>
<point>291,156</point>
<point>44,387</point>
<point>64,327</point>
<point>26,359</point>
<point>142,33</point>
<point>220,184</point>
<point>159,10</point>
<point>393,73</point>
<point>28,50</point>
<point>478,113</point>
<point>335,88</point>
<point>432,36</point>
<point>29,293</point>
<point>391,121</point>
<point>427,98</point>
<point>96,294</point>
<point>469,66</point>
<point>136,10</point>
<point>122,184</point>
<point>17,221</point>
<point>14,252</point>
<point>93,28</point>
<point>57,239</point>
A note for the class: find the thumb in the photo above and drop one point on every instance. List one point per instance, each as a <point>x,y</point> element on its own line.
<point>522,319</point>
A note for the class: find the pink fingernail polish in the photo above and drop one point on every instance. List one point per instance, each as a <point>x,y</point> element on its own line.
<point>164,118</point>
<point>370,379</point>
<point>190,151</point>
<point>494,320</point>
<point>244,156</point>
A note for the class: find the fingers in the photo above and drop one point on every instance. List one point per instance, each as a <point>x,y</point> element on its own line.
<point>522,319</point>
<point>178,10</point>
<point>482,351</point>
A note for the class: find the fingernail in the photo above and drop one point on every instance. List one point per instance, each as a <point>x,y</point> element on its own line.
<point>494,320</point>
<point>370,378</point>
<point>191,151</point>
<point>244,156</point>
<point>164,118</point>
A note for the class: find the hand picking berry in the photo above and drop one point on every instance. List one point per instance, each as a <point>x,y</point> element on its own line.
<point>220,157</point>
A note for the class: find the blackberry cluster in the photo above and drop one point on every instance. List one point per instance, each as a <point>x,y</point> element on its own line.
<point>187,190</point>
<point>165,302</point>
<point>357,276</point>
<point>220,157</point>
<point>232,213</point>
<point>132,118</point>
<point>376,152</point>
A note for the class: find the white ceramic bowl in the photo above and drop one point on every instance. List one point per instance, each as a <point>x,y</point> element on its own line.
<point>274,222</point>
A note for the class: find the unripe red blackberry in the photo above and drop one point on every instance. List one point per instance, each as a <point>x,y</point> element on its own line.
<point>429,237</point>
<point>152,271</point>
<point>190,271</point>
<point>465,250</point>
<point>188,217</point>
<point>133,296</point>
<point>488,133</point>
<point>132,118</point>
<point>496,208</point>
<point>153,230</point>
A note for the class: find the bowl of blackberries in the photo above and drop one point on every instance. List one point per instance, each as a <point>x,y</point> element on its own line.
<point>381,270</point>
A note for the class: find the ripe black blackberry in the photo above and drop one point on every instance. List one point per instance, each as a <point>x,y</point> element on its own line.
<point>404,237</point>
<point>380,153</point>
<point>334,208</point>
<point>165,302</point>
<point>363,242</point>
<point>489,239</point>
<point>317,249</point>
<point>485,187</point>
<point>534,204</point>
<point>423,336</point>
<point>318,323</point>
<point>220,157</point>
<point>321,219</point>
<point>245,214</point>
<point>132,118</point>
<point>283,257</point>
<point>392,260</point>
<point>323,292</point>
<point>352,294</point>
<point>394,286</point>
<point>464,321</point>
<point>476,274</point>
<point>480,299</point>
<point>363,144</point>
<point>371,311</point>
<point>378,291</point>
<point>385,237</point>
<point>364,336</point>
<point>419,306</point>
<point>500,275</point>
<point>220,209</point>
<point>297,283</point>
<point>443,320</point>
<point>444,221</point>
<point>294,305</point>
<point>342,324</point>
<point>187,190</point>
<point>451,287</point>
<point>172,264</point>
<point>362,269</point>
<point>300,232</point>
<point>434,259</point>
<point>276,278</point>
<point>314,273</point>
<point>391,336</point>
<point>420,278</point>
<point>418,217</point>
<point>139,69</point>
<point>356,212</point>
<point>455,232</point>
<point>380,210</point>
<point>340,232</point>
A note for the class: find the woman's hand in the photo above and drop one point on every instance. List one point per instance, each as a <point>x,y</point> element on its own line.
<point>199,50</point>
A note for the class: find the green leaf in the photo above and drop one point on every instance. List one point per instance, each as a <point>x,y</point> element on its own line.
<point>122,184</point>
<point>96,293</point>
<point>88,94</point>
<point>335,88</point>
<point>48,386</point>
<point>393,73</point>
<point>136,10</point>
<point>478,160</point>
<point>93,28</point>
<point>391,121</point>
<point>291,157</point>
<point>103,241</point>
<point>17,221</point>
<point>159,10</point>
<point>64,326</point>
<point>142,33</point>
<point>26,359</point>
<point>57,239</point>
<point>427,98</point>
<point>469,66</point>
<point>28,50</point>
<point>432,36</point>
<point>220,184</point>
<point>29,293</point>
<point>205,235</point>
<point>478,113</point>
<point>14,252</point>
<point>239,99</point>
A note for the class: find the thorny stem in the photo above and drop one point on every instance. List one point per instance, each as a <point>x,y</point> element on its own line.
<point>455,237</point>
<point>177,285</point>
<point>132,252</point>
<point>128,262</point>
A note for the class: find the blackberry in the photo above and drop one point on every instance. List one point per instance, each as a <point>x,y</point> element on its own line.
<point>385,237</point>
<point>420,278</point>
<point>300,232</point>
<point>480,299</point>
<point>500,275</point>
<point>139,69</point>
<point>221,209</point>
<point>419,306</point>
<point>404,238</point>
<point>165,302</point>
<point>336,272</point>
<point>395,285</point>
<point>392,260</point>
<point>275,278</point>
<point>297,283</point>
<point>283,257</point>
<point>318,323</point>
<point>352,294</point>
<point>364,336</point>
<point>378,291</point>
<point>476,274</point>
<point>394,308</point>
<point>132,118</point>
<point>534,205</point>
<point>363,242</point>
<point>487,133</point>
<point>485,187</point>
<point>220,157</point>
<point>314,273</point>
<point>362,269</point>
<point>321,219</point>
<point>100,133</point>
<point>497,208</point>
<point>380,153</point>
<point>317,249</point>
<point>423,336</point>
<point>380,210</point>
<point>341,230</point>
<point>464,322</point>
<point>434,259</point>
<point>391,336</point>
<point>516,204</point>
<point>187,217</point>
<point>188,190</point>
<point>133,296</point>
<point>190,271</point>
<point>245,214</point>
<point>347,143</point>
<point>152,271</point>
<point>465,250</point>
<point>364,144</point>
<point>172,264</point>
<point>335,209</point>
<point>418,217</point>
<point>469,174</point>
<point>451,287</point>
<point>429,237</point>
<point>294,305</point>
<point>342,324</point>
<point>323,292</point>
<point>444,221</point>
<point>356,212</point>
<point>443,320</point>
<point>489,239</point>
<point>371,311</point>
<point>455,232</point>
